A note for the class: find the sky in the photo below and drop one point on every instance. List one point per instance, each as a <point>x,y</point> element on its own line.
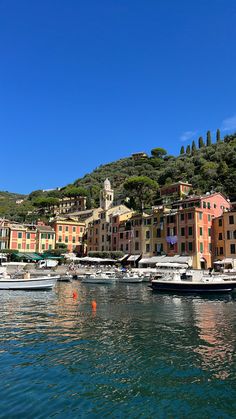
<point>84,83</point>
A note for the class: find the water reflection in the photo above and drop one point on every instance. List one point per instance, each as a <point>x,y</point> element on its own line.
<point>136,346</point>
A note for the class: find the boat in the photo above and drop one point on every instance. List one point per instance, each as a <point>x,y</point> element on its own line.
<point>26,282</point>
<point>188,284</point>
<point>65,277</point>
<point>100,278</point>
<point>130,278</point>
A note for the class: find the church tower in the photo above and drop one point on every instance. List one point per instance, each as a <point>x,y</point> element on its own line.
<point>106,195</point>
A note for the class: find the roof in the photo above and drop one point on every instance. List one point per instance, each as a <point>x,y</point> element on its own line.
<point>45,229</point>
<point>133,258</point>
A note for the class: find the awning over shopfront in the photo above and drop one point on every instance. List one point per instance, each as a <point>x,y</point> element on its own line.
<point>30,256</point>
<point>88,259</point>
<point>123,258</point>
<point>133,258</point>
<point>162,261</point>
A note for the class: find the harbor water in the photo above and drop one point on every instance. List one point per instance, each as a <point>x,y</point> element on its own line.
<point>135,354</point>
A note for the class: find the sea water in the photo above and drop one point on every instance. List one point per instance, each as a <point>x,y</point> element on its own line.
<point>138,354</point>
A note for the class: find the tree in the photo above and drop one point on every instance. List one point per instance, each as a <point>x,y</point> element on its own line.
<point>193,147</point>
<point>71,191</point>
<point>141,190</point>
<point>182,150</point>
<point>200,142</point>
<point>208,138</point>
<point>188,150</point>
<point>218,136</point>
<point>158,152</point>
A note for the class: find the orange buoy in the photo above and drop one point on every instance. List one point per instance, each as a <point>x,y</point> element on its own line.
<point>75,294</point>
<point>94,305</point>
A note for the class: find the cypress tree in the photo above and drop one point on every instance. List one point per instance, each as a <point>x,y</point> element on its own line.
<point>182,150</point>
<point>200,142</point>
<point>193,147</point>
<point>208,138</point>
<point>218,136</point>
<point>188,150</point>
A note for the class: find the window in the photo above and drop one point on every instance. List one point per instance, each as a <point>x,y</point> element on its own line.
<point>136,246</point>
<point>27,246</point>
<point>19,246</point>
<point>28,236</point>
<point>208,205</point>
<point>215,206</point>
<point>220,236</point>
<point>136,233</point>
<point>210,247</point>
<point>114,240</point>
<point>50,247</point>
<point>66,239</point>
<point>201,247</point>
<point>220,222</point>
<point>200,231</point>
<point>182,231</point>
<point>148,234</point>
<point>229,235</point>
<point>158,232</point>
<point>60,228</point>
<point>147,248</point>
<point>209,217</point>
<point>204,204</point>
<point>221,250</point>
<point>189,216</point>
<point>190,246</point>
<point>182,217</point>
<point>102,238</point>
<point>200,215</point>
<point>232,249</point>
<point>190,231</point>
<point>127,247</point>
<point>43,246</point>
<point>182,247</point>
<point>60,239</point>
<point>231,219</point>
<point>19,235</point>
<point>121,235</point>
<point>73,240</point>
<point>121,247</point>
<point>209,232</point>
<point>74,229</point>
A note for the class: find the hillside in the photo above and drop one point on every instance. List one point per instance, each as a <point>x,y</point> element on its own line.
<point>211,166</point>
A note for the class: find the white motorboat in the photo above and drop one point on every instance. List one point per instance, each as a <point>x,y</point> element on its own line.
<point>130,278</point>
<point>100,278</point>
<point>8,282</point>
<point>65,277</point>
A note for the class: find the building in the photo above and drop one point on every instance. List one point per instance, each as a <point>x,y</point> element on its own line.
<point>70,232</point>
<point>139,156</point>
<point>45,239</point>
<point>68,204</point>
<point>224,236</point>
<point>179,190</point>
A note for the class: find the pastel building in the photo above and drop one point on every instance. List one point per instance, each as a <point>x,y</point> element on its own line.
<point>224,242</point>
<point>70,232</point>
<point>45,239</point>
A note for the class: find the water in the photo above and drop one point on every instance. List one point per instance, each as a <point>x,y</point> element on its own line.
<point>139,355</point>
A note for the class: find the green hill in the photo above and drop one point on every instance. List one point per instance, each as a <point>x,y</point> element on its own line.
<point>212,166</point>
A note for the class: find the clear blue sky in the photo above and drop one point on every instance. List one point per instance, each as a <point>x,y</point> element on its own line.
<point>84,83</point>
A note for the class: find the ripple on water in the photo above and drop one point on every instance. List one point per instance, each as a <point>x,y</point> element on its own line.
<point>138,355</point>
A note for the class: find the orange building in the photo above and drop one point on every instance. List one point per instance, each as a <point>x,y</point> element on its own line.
<point>224,242</point>
<point>70,232</point>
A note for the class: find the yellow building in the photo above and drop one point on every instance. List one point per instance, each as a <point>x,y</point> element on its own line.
<point>224,234</point>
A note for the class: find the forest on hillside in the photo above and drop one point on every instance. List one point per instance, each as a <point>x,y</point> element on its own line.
<point>207,165</point>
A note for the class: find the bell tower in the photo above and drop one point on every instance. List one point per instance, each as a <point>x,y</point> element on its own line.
<point>106,195</point>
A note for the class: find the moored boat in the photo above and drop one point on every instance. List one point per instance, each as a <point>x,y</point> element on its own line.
<point>100,278</point>
<point>130,278</point>
<point>187,284</point>
<point>38,283</point>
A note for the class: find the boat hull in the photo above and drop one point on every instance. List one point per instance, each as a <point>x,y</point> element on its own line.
<point>43,283</point>
<point>194,287</point>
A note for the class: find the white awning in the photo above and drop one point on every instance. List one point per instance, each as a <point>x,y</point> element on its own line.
<point>133,258</point>
<point>123,258</point>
